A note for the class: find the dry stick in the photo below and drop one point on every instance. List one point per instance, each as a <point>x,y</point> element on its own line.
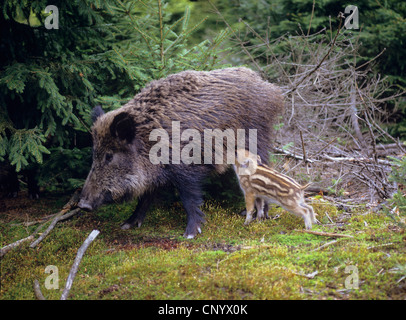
<point>303,147</point>
<point>357,160</point>
<point>325,245</point>
<point>76,263</point>
<point>304,153</point>
<point>31,223</point>
<point>290,154</point>
<point>58,218</point>
<point>369,61</point>
<point>71,203</point>
<point>326,234</point>
<point>319,152</point>
<point>13,245</point>
<point>311,17</point>
<point>61,215</point>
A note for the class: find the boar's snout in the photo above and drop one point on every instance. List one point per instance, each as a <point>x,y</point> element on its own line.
<point>85,205</point>
<point>89,202</point>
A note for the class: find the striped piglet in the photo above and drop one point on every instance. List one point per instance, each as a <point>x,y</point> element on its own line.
<point>262,186</point>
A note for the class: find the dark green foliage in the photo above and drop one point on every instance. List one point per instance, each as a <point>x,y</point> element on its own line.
<point>223,187</point>
<point>104,52</point>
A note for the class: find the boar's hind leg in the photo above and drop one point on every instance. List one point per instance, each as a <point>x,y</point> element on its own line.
<point>138,216</point>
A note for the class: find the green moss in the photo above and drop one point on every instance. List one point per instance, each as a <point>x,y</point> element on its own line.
<point>265,260</point>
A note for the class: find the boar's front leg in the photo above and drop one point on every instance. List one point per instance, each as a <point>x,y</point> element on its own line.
<point>138,216</point>
<point>195,217</point>
<point>191,196</point>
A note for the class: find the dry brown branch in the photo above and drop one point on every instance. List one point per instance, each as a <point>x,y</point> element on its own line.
<point>292,155</point>
<point>325,245</point>
<point>325,234</point>
<point>60,216</point>
<point>357,160</point>
<point>64,214</point>
<point>14,245</point>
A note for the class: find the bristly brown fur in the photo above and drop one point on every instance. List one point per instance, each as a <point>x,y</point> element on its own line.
<point>233,98</point>
<point>203,100</point>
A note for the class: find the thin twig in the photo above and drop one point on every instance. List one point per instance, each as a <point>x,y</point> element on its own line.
<point>325,234</point>
<point>311,18</point>
<point>325,245</point>
<point>58,218</point>
<point>62,215</point>
<point>303,147</point>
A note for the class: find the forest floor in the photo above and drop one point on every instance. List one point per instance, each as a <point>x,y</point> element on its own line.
<point>273,259</point>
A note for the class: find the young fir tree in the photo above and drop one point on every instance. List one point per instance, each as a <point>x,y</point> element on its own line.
<point>57,66</point>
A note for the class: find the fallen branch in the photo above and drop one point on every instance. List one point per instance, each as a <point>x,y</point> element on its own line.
<point>13,245</point>
<point>325,234</point>
<point>58,218</point>
<point>325,245</point>
<point>37,291</point>
<point>31,223</point>
<point>73,270</point>
<point>68,206</point>
<point>357,160</point>
<point>289,154</point>
<point>309,275</point>
<point>64,214</point>
<point>76,263</point>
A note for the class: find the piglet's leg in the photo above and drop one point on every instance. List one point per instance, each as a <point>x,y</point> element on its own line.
<point>301,212</point>
<point>250,205</point>
<point>260,205</point>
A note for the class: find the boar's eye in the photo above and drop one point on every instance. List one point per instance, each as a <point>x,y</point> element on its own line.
<point>109,157</point>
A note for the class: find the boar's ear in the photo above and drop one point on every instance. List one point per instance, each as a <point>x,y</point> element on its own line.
<point>96,113</point>
<point>123,127</point>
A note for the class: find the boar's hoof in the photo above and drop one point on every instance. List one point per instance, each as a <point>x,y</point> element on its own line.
<point>130,224</point>
<point>126,226</point>
<point>192,235</point>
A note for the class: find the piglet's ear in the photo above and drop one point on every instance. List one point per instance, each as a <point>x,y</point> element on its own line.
<point>123,127</point>
<point>96,113</point>
<point>246,163</point>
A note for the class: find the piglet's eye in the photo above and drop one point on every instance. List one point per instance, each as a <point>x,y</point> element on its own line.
<point>109,157</point>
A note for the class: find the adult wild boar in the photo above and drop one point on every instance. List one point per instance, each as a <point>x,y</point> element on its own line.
<point>233,98</point>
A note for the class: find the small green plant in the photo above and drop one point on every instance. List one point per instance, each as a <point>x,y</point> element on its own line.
<point>333,188</point>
